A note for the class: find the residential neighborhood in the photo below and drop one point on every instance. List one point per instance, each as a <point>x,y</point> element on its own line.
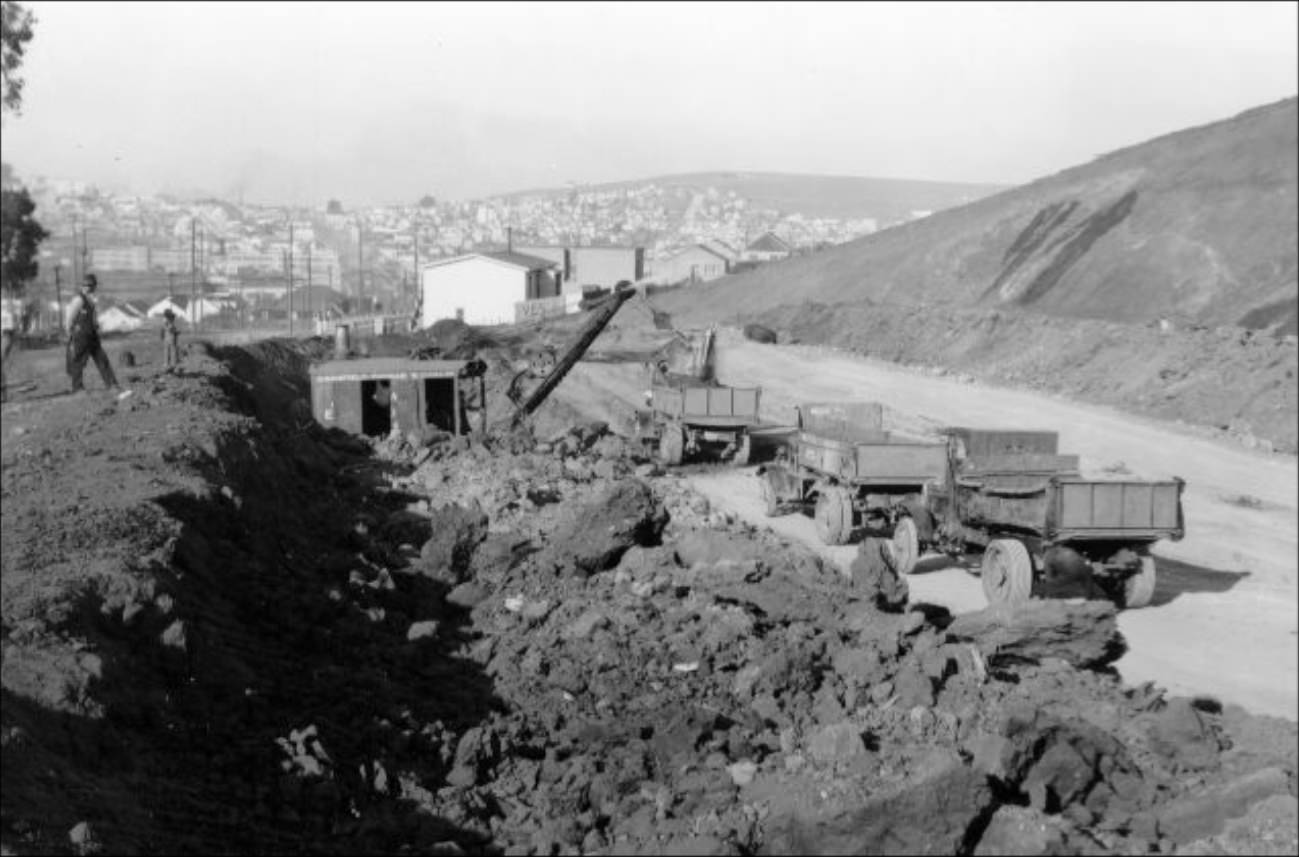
<point>222,264</point>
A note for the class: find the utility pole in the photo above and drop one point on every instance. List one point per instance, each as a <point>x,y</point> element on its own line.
<point>308,280</point>
<point>360,265</point>
<point>193,270</point>
<point>76,264</point>
<point>58,295</point>
<point>85,251</point>
<point>417,286</point>
<point>290,277</point>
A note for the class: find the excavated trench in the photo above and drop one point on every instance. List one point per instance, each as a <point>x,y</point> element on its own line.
<point>522,645</point>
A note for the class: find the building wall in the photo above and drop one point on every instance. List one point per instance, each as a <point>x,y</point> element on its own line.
<point>485,290</point>
<point>120,259</point>
<point>559,255</point>
<point>605,267</point>
<point>693,262</point>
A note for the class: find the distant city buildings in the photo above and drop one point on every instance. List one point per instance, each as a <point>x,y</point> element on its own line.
<point>383,254</point>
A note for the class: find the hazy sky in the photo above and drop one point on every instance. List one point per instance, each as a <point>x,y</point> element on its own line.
<point>376,102</point>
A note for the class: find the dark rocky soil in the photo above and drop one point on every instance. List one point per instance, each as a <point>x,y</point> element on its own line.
<point>226,630</point>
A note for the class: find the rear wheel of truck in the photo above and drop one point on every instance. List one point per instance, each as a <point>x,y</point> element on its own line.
<point>1007,572</point>
<point>905,545</point>
<point>743,450</point>
<point>833,515</point>
<point>1140,587</point>
<point>770,501</point>
<point>672,445</point>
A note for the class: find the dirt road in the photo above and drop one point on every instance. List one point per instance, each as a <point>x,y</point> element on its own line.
<point>1225,617</point>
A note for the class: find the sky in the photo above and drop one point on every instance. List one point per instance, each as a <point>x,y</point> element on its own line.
<point>378,103</point>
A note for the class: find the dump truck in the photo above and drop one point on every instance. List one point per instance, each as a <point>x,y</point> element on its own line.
<point>853,473</point>
<point>1040,525</point>
<point>688,420</point>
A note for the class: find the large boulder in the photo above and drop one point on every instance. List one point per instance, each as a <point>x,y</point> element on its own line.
<point>1084,634</point>
<point>928,815</point>
<point>1057,763</point>
<point>592,536</point>
<point>456,532</point>
<point>875,578</point>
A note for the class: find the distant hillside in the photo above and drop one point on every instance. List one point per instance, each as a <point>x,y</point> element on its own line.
<point>1198,226</point>
<point>841,197</point>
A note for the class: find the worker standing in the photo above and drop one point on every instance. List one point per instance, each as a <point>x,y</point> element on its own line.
<point>8,336</point>
<point>83,337</point>
<point>170,341</point>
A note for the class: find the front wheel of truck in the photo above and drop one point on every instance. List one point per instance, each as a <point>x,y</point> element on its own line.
<point>1007,572</point>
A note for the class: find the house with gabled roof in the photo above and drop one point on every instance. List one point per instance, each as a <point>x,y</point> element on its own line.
<point>697,263</point>
<point>767,247</point>
<point>482,288</point>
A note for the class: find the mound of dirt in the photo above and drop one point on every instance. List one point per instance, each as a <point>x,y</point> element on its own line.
<point>225,632</point>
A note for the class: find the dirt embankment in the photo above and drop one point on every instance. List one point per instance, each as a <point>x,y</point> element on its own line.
<point>228,630</point>
<point>1225,379</point>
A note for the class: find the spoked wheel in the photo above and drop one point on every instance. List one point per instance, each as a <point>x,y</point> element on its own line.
<point>833,516</point>
<point>743,451</point>
<point>1140,587</point>
<point>672,445</point>
<point>1007,572</point>
<point>905,545</point>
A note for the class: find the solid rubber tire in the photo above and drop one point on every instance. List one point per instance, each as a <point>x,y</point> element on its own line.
<point>1007,572</point>
<point>743,451</point>
<point>672,445</point>
<point>905,545</point>
<point>1140,587</point>
<point>770,503</point>
<point>833,516</point>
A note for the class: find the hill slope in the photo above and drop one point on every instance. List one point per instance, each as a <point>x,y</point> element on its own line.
<point>1198,226</point>
<point>843,197</point>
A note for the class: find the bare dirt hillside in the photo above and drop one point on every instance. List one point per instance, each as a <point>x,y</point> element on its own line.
<point>1227,380</point>
<point>1198,227</point>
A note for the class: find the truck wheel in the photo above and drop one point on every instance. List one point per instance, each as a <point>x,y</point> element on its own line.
<point>1007,572</point>
<point>833,515</point>
<point>743,451</point>
<point>1140,587</point>
<point>770,502</point>
<point>672,445</point>
<point>905,545</point>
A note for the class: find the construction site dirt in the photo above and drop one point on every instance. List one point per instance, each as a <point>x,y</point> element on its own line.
<point>228,629</point>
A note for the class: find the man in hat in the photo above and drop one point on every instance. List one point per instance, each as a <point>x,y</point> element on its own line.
<point>83,337</point>
<point>170,341</point>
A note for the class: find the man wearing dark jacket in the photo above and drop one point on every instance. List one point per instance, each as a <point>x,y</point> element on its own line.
<point>83,337</point>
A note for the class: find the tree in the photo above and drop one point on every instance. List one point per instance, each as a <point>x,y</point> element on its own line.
<point>428,201</point>
<point>20,236</point>
<point>16,32</point>
<point>334,207</point>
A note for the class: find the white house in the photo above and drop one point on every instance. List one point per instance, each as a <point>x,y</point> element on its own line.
<point>117,319</point>
<point>189,310</point>
<point>694,264</point>
<point>482,288</point>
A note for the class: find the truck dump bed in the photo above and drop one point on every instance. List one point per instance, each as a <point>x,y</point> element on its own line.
<point>1091,508</point>
<point>708,405</point>
<point>847,440</point>
<point>1068,507</point>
